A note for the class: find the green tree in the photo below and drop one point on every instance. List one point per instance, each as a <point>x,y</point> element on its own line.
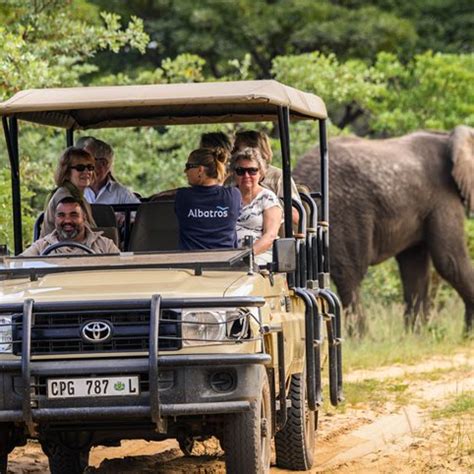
<point>219,30</point>
<point>44,45</point>
<point>433,90</point>
<point>49,43</point>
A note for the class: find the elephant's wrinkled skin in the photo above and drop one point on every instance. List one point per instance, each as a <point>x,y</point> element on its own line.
<point>399,197</point>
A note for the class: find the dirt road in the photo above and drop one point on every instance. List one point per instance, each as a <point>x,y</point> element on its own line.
<point>404,418</point>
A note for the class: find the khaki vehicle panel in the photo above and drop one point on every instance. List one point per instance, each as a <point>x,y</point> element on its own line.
<point>273,364</point>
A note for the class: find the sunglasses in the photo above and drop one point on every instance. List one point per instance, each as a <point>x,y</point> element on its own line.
<point>82,168</point>
<point>190,166</point>
<point>250,171</point>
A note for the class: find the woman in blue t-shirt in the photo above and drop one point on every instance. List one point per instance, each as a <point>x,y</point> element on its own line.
<point>207,212</point>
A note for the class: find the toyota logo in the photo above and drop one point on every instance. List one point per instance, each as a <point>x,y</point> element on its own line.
<point>96,332</point>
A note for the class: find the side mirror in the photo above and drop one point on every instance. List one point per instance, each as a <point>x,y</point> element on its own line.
<point>284,255</point>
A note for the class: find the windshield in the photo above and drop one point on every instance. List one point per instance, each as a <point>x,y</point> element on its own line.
<point>197,260</point>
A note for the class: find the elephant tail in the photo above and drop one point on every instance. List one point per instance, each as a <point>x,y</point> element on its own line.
<point>462,155</point>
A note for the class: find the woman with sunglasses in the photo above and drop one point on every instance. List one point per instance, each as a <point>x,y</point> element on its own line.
<point>261,213</point>
<point>75,171</point>
<point>273,176</point>
<point>207,212</point>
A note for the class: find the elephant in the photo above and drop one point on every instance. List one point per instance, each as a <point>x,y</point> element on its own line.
<point>404,197</point>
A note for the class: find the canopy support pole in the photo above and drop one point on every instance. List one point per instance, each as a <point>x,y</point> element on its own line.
<point>284,128</point>
<point>323,147</point>
<point>69,137</point>
<point>11,137</point>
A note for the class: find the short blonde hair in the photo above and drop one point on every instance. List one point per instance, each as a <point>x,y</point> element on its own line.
<point>213,159</point>
<point>254,139</point>
<point>63,169</point>
<point>249,154</point>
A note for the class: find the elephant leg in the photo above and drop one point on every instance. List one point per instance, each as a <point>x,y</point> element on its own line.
<point>414,266</point>
<point>448,250</point>
<point>354,317</point>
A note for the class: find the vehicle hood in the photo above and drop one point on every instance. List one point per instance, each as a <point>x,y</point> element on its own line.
<point>128,284</point>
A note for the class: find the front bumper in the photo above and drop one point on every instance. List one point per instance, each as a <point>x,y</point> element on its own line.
<point>184,388</point>
<point>172,385</point>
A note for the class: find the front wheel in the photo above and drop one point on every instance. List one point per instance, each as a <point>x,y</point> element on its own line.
<point>294,444</point>
<point>63,460</point>
<point>248,437</point>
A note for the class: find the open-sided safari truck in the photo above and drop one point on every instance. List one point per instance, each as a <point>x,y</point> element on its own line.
<point>151,345</point>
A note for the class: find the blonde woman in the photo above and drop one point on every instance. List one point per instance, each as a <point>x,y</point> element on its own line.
<point>207,212</point>
<point>74,173</point>
<point>261,213</point>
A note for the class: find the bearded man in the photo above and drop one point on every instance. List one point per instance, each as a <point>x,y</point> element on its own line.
<point>71,226</point>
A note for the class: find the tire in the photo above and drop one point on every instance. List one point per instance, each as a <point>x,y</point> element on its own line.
<point>186,445</point>
<point>294,444</point>
<point>248,437</point>
<point>66,461</point>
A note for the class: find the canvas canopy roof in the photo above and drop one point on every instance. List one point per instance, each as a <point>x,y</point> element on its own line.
<point>163,104</point>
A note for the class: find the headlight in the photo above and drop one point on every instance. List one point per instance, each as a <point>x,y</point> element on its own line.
<point>201,327</point>
<point>6,334</point>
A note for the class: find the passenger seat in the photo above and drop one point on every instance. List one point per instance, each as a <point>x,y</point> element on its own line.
<point>155,227</point>
<point>104,217</point>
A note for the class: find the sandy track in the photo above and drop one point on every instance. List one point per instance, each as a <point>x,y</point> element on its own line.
<point>364,438</point>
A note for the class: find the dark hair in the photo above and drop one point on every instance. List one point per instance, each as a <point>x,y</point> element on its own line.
<point>69,200</point>
<point>254,139</point>
<point>73,200</point>
<point>213,159</point>
<point>216,140</point>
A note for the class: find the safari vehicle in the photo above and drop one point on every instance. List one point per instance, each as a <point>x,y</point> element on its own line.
<point>162,343</point>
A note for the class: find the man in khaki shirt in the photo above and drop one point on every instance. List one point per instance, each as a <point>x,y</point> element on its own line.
<point>70,226</point>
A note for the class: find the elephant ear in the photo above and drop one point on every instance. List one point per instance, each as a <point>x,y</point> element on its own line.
<point>462,155</point>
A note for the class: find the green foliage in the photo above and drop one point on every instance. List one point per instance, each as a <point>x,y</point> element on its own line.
<point>441,25</point>
<point>463,404</point>
<point>219,30</point>
<point>430,91</point>
<point>6,231</point>
<point>46,47</point>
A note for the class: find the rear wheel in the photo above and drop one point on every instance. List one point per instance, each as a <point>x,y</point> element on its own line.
<point>63,460</point>
<point>294,444</point>
<point>248,437</point>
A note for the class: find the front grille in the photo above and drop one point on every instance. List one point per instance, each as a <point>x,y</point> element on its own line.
<point>56,333</point>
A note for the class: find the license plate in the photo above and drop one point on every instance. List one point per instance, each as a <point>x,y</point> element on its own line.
<point>93,387</point>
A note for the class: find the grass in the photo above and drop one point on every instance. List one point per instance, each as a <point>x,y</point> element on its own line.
<point>463,404</point>
<point>375,392</point>
<point>387,343</point>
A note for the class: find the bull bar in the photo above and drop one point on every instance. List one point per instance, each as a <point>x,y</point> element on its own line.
<point>155,410</point>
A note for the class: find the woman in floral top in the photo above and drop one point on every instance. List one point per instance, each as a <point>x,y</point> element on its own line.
<point>261,212</point>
